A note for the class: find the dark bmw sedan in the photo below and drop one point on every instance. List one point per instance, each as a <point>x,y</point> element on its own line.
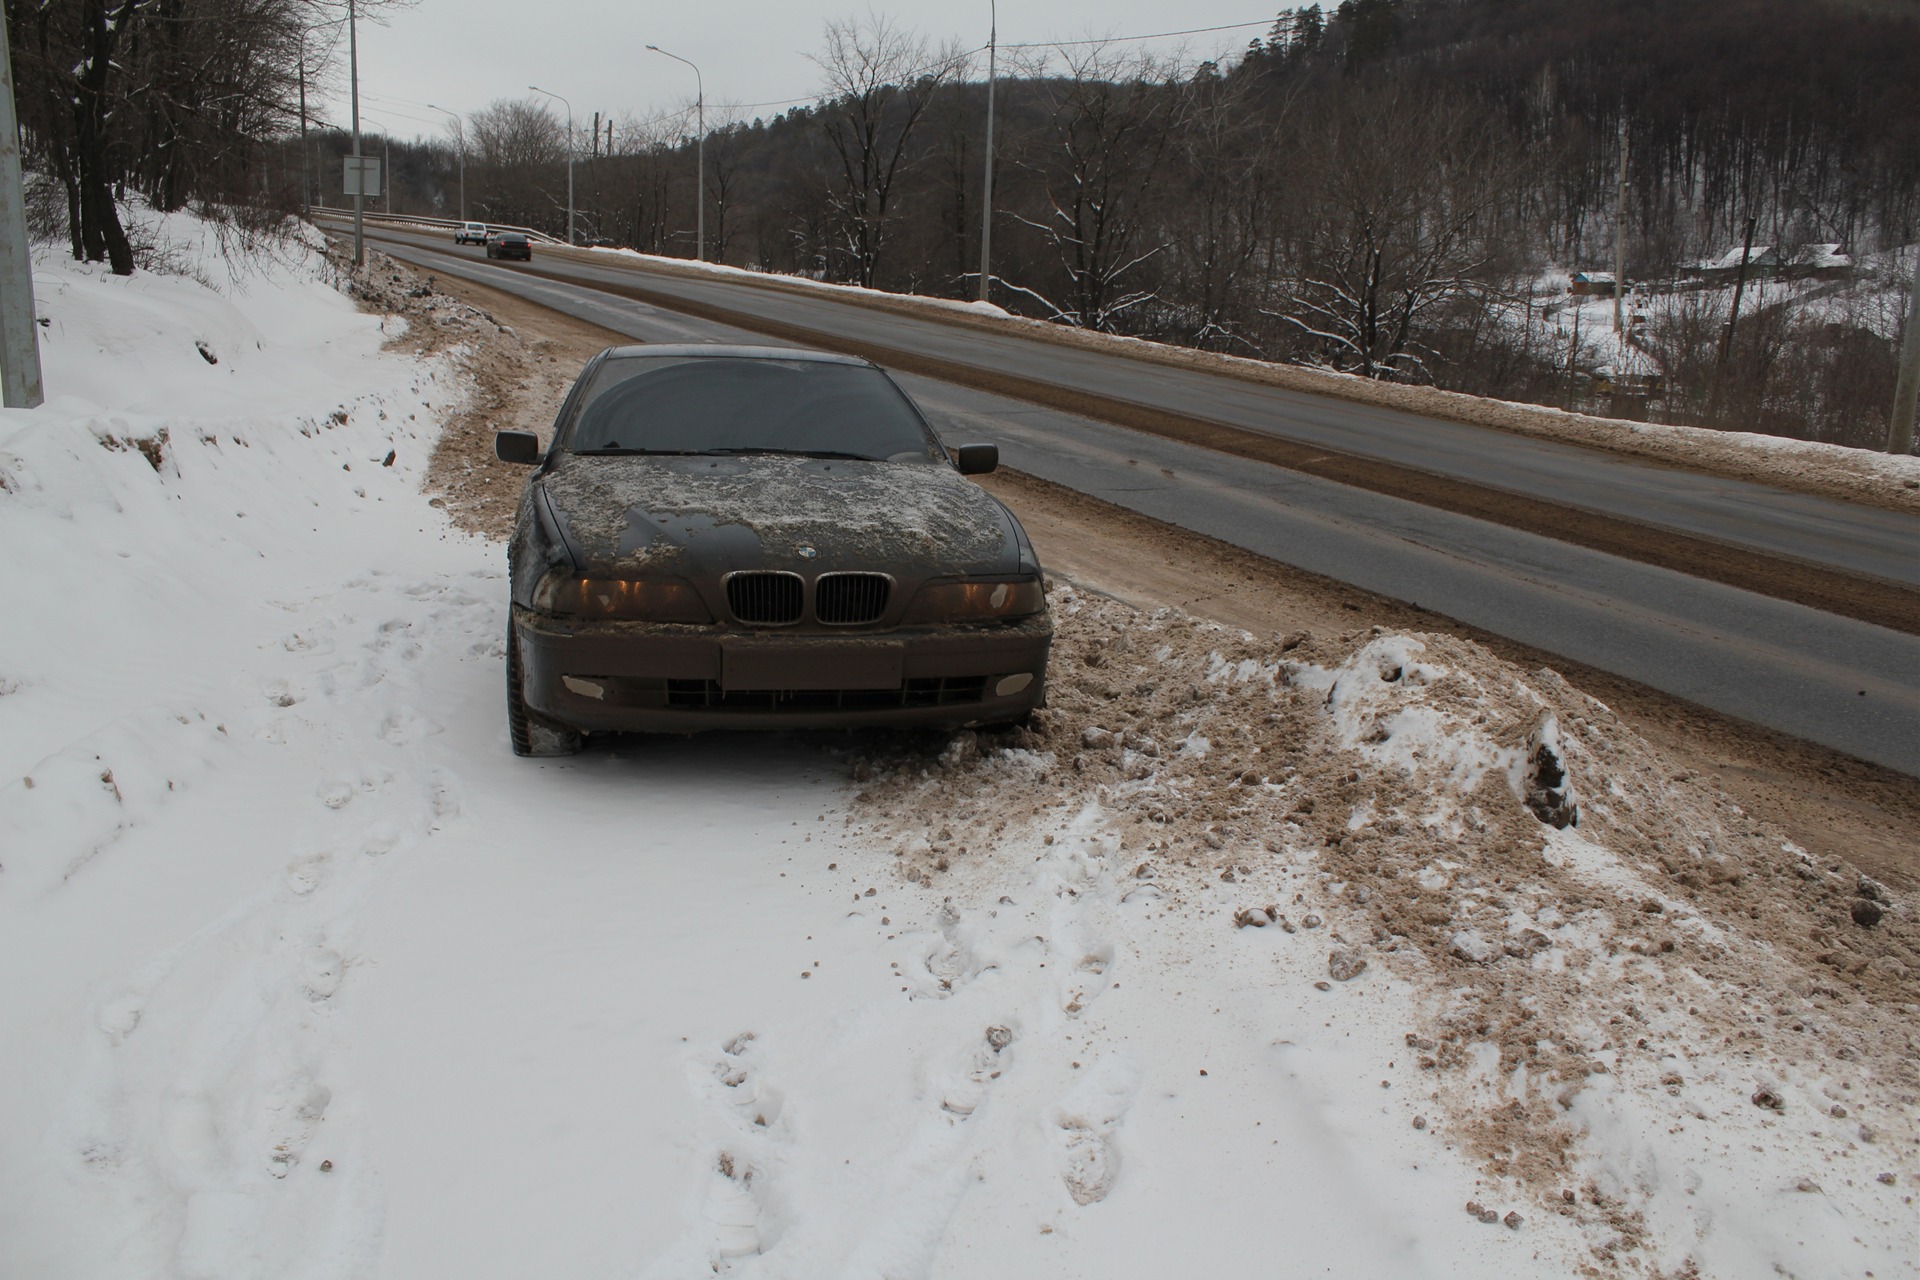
<point>748,537</point>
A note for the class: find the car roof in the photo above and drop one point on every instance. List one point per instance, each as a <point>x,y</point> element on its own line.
<point>732,351</point>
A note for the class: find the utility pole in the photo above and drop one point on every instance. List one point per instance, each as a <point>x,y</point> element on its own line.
<point>1739,289</point>
<point>1620,232</point>
<point>386,174</point>
<point>986,189</point>
<point>699,186</point>
<point>360,176</point>
<point>20,386</point>
<point>595,153</point>
<point>1907,391</point>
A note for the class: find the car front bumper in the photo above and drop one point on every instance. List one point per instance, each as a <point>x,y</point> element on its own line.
<point>655,677</point>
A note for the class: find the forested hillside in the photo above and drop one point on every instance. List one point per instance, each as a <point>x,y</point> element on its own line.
<point>1398,188</point>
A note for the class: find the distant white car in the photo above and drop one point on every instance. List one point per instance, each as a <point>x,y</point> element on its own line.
<point>471,233</point>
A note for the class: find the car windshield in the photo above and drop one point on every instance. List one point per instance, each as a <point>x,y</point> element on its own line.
<point>730,405</point>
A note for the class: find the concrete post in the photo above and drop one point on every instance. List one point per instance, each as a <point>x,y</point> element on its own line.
<point>986,186</point>
<point>19,336</point>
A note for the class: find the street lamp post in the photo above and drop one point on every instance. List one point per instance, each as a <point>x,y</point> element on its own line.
<point>460,140</point>
<point>986,194</point>
<point>569,106</point>
<point>360,177</point>
<point>700,156</point>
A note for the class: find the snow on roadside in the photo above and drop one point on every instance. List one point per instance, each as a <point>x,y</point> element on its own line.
<point>309,977</point>
<point>1639,1014</point>
<point>196,519</point>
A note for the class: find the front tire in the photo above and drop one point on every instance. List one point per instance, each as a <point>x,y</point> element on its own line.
<point>533,736</point>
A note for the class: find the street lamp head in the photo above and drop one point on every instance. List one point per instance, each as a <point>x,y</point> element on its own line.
<point>654,47</point>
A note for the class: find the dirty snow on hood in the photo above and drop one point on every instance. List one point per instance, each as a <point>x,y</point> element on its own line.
<point>647,512</point>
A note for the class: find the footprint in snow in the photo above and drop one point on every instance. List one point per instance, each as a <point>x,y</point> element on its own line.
<point>962,1092</point>
<point>1088,1118</point>
<point>382,838</point>
<point>743,1091</point>
<point>321,969</point>
<point>305,874</point>
<point>951,960</point>
<point>732,1209</point>
<point>1091,981</point>
<point>403,725</point>
<point>294,1110</point>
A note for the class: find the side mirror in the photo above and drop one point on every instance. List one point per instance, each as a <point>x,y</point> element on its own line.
<point>976,459</point>
<point>522,447</point>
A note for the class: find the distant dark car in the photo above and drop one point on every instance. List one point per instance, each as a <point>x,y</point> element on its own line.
<point>510,244</point>
<point>757,538</point>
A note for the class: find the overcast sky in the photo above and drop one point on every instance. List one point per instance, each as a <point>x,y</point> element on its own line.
<point>463,54</point>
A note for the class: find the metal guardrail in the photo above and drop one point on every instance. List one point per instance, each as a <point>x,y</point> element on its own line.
<point>418,220</point>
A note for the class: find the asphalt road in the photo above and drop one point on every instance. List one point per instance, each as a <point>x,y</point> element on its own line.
<point>1845,684</point>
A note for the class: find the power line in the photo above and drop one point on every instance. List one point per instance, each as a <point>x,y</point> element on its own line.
<point>1157,35</point>
<point>1034,44</point>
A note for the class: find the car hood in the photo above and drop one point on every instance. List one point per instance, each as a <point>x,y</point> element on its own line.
<point>692,516</point>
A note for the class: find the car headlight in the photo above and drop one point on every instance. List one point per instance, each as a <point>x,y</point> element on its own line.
<point>977,601</point>
<point>628,599</point>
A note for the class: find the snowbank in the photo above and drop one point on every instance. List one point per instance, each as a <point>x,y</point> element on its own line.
<point>217,481</point>
<point>1642,1019</point>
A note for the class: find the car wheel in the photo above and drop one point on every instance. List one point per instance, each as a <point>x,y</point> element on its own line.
<point>533,736</point>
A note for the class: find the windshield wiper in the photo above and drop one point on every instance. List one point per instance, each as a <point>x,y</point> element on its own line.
<point>789,453</point>
<point>615,451</point>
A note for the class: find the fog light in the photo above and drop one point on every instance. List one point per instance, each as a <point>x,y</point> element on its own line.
<point>1007,686</point>
<point>585,688</point>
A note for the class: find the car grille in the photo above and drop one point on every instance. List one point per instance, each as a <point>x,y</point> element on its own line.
<point>765,599</point>
<point>849,599</point>
<point>937,691</point>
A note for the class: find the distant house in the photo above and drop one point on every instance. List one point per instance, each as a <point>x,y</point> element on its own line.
<point>1632,372</point>
<point>1820,262</point>
<point>1763,260</point>
<point>1591,282</point>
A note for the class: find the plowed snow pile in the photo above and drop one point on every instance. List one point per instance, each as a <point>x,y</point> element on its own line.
<point>1637,1007</point>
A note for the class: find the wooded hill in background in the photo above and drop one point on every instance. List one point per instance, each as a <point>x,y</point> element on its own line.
<point>1398,188</point>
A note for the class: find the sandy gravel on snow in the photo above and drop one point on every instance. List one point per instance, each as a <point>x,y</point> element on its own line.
<point>1583,918</point>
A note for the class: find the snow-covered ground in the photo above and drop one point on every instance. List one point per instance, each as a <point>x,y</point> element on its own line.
<point>303,974</point>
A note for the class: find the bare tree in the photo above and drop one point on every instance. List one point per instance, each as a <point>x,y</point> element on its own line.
<point>1107,115</point>
<point>880,78</point>
<point>519,155</point>
<point>1396,224</point>
<point>1215,209</point>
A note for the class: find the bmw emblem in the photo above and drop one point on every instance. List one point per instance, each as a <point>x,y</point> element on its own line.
<point>808,553</point>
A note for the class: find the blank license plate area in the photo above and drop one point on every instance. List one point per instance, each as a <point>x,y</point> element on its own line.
<point>802,665</point>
